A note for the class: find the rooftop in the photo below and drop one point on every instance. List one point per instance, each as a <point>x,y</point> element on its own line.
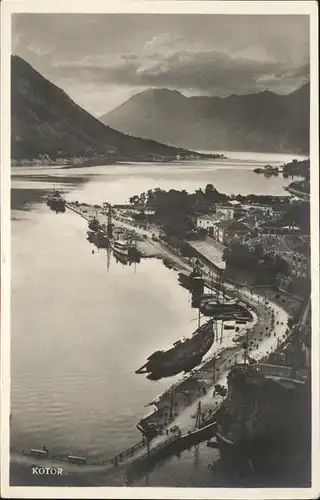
<point>224,206</point>
<point>211,217</point>
<point>281,243</point>
<point>233,225</point>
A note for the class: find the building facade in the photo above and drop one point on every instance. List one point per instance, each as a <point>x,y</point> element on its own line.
<point>227,230</point>
<point>293,250</point>
<point>208,221</point>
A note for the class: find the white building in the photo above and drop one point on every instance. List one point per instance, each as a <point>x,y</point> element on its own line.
<point>226,210</point>
<point>208,221</point>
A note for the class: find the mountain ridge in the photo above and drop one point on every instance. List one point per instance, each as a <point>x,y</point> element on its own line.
<point>261,121</point>
<point>46,121</point>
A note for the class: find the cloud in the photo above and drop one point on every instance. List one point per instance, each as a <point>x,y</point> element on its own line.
<point>113,55</point>
<point>169,61</point>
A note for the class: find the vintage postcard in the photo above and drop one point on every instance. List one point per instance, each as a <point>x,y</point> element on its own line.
<point>159,249</point>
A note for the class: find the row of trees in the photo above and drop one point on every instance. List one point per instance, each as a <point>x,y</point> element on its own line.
<point>295,167</point>
<point>174,209</point>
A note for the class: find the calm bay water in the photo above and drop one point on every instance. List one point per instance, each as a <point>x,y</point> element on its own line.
<point>80,327</point>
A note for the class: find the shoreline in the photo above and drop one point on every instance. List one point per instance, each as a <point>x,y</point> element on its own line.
<point>106,467</point>
<point>262,344</point>
<point>94,163</point>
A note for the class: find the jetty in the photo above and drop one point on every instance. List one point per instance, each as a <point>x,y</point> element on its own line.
<point>181,429</point>
<point>186,414</point>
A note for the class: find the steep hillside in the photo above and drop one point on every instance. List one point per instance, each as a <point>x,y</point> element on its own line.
<point>45,121</point>
<point>255,122</point>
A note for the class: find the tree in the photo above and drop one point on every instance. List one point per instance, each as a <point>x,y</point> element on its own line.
<point>220,390</point>
<point>143,198</point>
<point>134,199</point>
<point>209,189</point>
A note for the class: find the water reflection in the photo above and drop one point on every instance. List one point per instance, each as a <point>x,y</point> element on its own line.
<point>201,467</point>
<point>51,179</point>
<point>25,199</point>
<point>90,321</point>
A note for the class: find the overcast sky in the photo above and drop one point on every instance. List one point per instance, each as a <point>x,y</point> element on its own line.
<point>100,60</point>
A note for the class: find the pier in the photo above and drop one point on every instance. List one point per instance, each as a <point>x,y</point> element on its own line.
<point>187,412</point>
<point>201,413</point>
<point>172,446</point>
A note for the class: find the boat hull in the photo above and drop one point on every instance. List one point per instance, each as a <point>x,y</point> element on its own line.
<point>227,312</point>
<point>98,239</point>
<point>57,204</point>
<point>170,371</point>
<point>183,357</point>
<point>124,252</point>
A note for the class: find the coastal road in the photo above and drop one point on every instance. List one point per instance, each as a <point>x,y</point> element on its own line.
<point>262,346</point>
<point>186,418</point>
<point>265,340</point>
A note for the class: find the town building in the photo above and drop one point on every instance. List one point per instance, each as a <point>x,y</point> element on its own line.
<point>224,211</point>
<point>209,220</point>
<point>278,210</point>
<point>255,218</point>
<point>294,250</point>
<point>227,210</point>
<point>227,230</point>
<point>265,209</point>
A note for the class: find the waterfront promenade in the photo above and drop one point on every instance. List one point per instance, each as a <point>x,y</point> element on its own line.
<point>263,343</point>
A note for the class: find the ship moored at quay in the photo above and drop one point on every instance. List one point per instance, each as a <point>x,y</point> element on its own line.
<point>183,356</point>
<point>187,354</point>
<point>56,202</point>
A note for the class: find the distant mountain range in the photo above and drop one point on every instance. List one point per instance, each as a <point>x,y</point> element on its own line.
<point>265,122</point>
<point>46,123</point>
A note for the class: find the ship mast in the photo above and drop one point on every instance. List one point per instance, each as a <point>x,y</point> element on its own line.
<point>246,345</point>
<point>109,225</point>
<point>214,368</point>
<point>198,416</point>
<point>108,257</point>
<point>199,318</point>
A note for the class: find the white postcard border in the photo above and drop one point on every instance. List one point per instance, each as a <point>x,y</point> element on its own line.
<point>170,7</point>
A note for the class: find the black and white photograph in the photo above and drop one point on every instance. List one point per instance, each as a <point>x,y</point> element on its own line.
<point>159,190</point>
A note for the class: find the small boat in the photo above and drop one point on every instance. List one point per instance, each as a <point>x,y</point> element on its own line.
<point>56,202</point>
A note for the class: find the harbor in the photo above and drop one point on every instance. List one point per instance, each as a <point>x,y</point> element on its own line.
<point>249,323</point>
<point>186,413</point>
<point>159,268</point>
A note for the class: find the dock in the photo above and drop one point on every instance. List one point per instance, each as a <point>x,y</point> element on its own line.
<point>186,413</point>
<point>189,417</point>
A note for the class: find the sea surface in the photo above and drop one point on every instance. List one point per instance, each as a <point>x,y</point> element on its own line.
<point>82,323</point>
